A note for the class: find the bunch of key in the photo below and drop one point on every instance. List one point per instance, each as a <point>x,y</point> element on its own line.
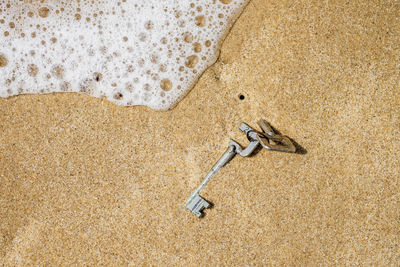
<point>267,138</point>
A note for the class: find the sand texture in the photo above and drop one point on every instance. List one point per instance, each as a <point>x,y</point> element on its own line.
<point>86,182</point>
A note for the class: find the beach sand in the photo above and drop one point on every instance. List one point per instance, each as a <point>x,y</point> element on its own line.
<point>86,182</point>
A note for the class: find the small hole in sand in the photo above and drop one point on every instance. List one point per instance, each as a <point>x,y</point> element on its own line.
<point>241,97</point>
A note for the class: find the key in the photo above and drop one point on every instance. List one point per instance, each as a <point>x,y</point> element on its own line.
<point>268,139</point>
<point>196,204</point>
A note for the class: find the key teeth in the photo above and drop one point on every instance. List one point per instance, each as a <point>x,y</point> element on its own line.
<point>197,204</point>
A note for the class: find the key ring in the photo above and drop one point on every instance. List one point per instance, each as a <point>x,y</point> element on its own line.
<point>279,142</point>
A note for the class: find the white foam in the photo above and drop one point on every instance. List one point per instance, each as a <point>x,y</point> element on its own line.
<point>133,52</point>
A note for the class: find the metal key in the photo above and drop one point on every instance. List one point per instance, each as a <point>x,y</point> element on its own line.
<point>196,204</point>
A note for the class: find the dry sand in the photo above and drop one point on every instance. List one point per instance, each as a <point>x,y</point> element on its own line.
<point>85,182</point>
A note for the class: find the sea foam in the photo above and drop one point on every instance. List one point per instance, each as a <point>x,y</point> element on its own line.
<point>131,52</point>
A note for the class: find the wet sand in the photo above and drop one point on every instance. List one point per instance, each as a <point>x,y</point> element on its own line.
<point>86,182</point>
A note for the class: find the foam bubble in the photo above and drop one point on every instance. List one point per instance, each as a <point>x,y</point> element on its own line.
<point>131,52</point>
